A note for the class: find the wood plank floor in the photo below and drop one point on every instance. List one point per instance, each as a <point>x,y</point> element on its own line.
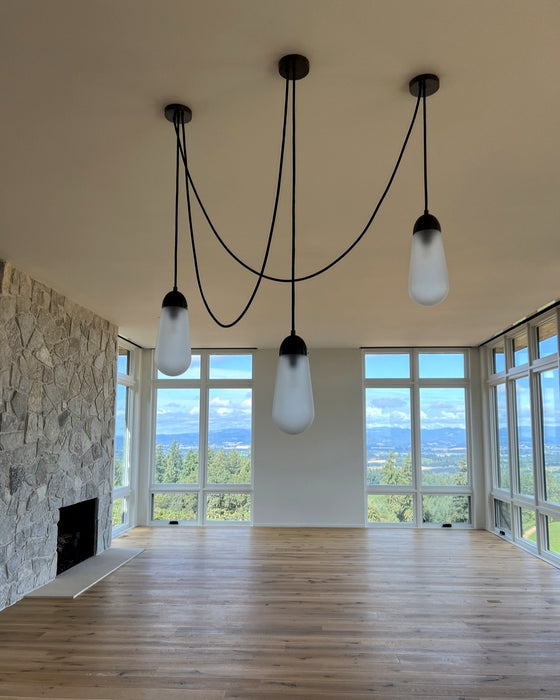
<point>267,614</point>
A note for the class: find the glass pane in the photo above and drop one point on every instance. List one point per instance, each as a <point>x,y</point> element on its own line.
<point>176,446</point>
<point>553,534</point>
<point>228,506</point>
<point>502,436</point>
<point>524,437</point>
<point>520,350</point>
<point>441,365</point>
<point>388,436</point>
<point>229,436</point>
<point>547,338</point>
<point>446,509</point>
<point>231,366</point>
<point>550,402</point>
<point>499,358</point>
<point>121,472</point>
<point>384,508</point>
<point>503,515</point>
<point>387,366</point>
<point>123,361</point>
<point>175,506</point>
<point>527,525</point>
<point>443,436</point>
<point>193,372</point>
<point>120,514</point>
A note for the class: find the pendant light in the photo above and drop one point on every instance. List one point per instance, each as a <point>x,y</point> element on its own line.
<point>293,410</point>
<point>428,282</point>
<point>173,346</point>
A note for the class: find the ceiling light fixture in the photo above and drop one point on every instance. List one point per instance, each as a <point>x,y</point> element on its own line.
<point>173,346</point>
<point>293,410</point>
<point>428,283</point>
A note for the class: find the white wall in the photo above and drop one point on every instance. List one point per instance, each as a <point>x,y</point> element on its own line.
<point>316,478</point>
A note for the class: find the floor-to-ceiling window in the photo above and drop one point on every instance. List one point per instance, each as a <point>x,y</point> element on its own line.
<point>126,410</point>
<point>202,471</point>
<point>417,415</point>
<point>523,395</point>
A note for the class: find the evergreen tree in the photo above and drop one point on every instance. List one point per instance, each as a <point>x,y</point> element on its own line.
<point>173,464</point>
<point>189,468</point>
<point>159,464</point>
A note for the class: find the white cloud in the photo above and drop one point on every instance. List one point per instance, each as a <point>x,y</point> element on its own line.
<point>247,403</point>
<point>217,401</point>
<point>195,410</point>
<point>224,411</point>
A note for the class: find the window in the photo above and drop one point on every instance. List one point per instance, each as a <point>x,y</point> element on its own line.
<point>524,437</point>
<point>416,427</point>
<point>550,409</point>
<point>499,358</point>
<point>124,469</point>
<point>524,397</point>
<point>202,470</point>
<point>520,350</point>
<point>547,338</point>
<point>502,439</point>
<point>502,516</point>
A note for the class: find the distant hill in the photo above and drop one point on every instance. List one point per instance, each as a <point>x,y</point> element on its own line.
<point>229,439</point>
<point>397,439</point>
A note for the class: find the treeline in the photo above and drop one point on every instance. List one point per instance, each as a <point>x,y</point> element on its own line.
<point>184,506</point>
<point>399,508</point>
<point>224,466</point>
<point>394,473</point>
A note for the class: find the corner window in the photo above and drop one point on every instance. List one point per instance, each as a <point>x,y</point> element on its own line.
<point>524,401</point>
<point>124,465</point>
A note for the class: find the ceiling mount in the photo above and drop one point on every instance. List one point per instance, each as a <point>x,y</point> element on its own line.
<point>431,81</point>
<point>185,113</point>
<point>293,66</point>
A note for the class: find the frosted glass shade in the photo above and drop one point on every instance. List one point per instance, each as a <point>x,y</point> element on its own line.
<point>173,346</point>
<point>428,283</point>
<point>292,407</point>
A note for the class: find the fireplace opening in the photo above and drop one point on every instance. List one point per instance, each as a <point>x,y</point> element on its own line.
<point>77,534</point>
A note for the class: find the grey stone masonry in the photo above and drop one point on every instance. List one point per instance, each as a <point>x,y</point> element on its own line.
<point>57,412</point>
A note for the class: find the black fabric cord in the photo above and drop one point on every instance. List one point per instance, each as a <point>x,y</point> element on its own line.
<point>182,149</point>
<point>342,255</point>
<point>293,202</point>
<point>423,91</point>
<point>176,118</point>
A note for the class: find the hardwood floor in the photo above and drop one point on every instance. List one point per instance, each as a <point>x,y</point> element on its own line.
<point>266,614</point>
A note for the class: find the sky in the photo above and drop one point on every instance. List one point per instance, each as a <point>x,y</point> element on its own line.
<point>389,407</point>
<point>228,407</point>
<point>440,407</point>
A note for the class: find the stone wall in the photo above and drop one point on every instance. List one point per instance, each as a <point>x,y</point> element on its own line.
<point>57,395</point>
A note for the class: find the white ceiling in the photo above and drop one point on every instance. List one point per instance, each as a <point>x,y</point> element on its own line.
<point>88,159</point>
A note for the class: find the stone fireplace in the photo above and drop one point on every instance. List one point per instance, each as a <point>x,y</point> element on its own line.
<point>57,404</point>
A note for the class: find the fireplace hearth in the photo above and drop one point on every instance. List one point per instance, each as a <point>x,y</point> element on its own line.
<point>77,534</point>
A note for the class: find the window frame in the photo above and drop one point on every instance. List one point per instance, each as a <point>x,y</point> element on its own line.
<point>414,383</point>
<point>204,384</point>
<point>532,370</point>
<point>131,381</point>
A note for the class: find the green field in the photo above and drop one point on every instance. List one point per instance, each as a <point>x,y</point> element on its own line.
<point>553,535</point>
